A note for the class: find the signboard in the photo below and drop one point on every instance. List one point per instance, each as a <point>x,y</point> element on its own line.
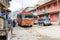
<point>1,23</point>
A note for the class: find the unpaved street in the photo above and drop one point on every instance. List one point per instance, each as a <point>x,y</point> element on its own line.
<point>37,33</point>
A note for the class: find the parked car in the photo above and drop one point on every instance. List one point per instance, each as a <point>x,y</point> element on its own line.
<point>43,22</point>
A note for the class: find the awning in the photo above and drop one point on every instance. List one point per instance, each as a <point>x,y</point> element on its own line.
<point>8,10</point>
<point>2,5</point>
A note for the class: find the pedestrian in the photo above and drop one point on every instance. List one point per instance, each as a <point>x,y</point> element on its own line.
<point>10,25</point>
<point>14,23</point>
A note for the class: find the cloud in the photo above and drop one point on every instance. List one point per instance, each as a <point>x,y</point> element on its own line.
<point>16,4</point>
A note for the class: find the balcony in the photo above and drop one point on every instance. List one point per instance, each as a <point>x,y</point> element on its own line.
<point>40,12</point>
<point>1,0</point>
<point>54,9</point>
<point>51,10</point>
<point>4,3</point>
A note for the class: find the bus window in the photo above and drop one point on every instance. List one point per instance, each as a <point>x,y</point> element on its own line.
<point>29,16</point>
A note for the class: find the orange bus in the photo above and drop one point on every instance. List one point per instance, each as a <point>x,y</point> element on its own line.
<point>25,20</point>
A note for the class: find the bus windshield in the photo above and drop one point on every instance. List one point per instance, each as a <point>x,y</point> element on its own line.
<point>28,16</point>
<point>35,16</point>
<point>25,16</point>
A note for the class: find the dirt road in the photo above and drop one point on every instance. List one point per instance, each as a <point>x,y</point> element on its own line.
<point>36,33</point>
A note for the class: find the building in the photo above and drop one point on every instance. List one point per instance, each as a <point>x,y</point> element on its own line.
<point>41,2</point>
<point>4,11</point>
<point>50,9</point>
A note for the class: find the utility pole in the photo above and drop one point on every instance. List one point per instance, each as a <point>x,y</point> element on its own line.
<point>22,4</point>
<point>57,2</point>
<point>0,11</point>
<point>59,18</point>
<point>59,13</point>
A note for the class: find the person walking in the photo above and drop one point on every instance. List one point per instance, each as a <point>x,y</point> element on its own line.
<point>10,25</point>
<point>14,23</point>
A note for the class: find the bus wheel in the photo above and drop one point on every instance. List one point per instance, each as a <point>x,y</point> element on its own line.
<point>30,25</point>
<point>19,24</point>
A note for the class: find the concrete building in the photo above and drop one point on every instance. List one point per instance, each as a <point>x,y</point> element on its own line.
<point>50,9</point>
<point>4,11</point>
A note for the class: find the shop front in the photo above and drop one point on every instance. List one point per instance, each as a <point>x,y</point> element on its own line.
<point>4,30</point>
<point>54,18</point>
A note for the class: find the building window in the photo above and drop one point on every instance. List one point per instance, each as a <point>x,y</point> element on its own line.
<point>55,4</point>
<point>59,2</point>
<point>48,6</point>
<point>44,8</point>
<point>40,8</point>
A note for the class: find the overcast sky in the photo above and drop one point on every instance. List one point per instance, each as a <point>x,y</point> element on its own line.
<point>17,4</point>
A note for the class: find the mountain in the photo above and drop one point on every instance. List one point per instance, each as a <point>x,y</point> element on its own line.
<point>13,15</point>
